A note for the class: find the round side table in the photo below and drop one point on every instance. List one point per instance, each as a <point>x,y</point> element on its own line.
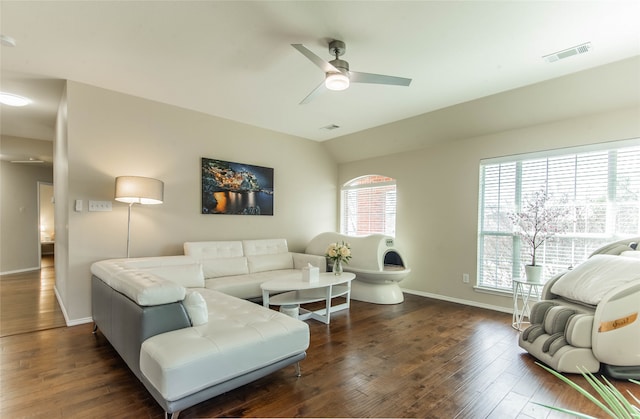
<point>523,291</point>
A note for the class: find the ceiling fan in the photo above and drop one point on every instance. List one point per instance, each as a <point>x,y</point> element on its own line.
<point>337,74</point>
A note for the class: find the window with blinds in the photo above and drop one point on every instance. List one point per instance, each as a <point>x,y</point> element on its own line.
<point>369,206</point>
<point>600,186</point>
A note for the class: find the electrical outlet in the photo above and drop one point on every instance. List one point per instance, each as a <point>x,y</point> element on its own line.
<point>465,278</point>
<point>99,205</point>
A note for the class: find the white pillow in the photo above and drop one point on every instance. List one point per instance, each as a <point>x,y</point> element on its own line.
<point>631,254</point>
<point>196,308</point>
<point>189,276</point>
<point>594,278</point>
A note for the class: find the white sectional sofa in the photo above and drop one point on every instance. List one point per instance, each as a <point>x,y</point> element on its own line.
<point>589,316</point>
<point>183,323</point>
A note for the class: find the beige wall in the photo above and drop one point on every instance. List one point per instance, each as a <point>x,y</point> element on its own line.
<point>19,237</point>
<point>111,134</point>
<point>438,196</point>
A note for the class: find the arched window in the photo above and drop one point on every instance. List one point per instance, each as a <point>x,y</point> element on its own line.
<point>369,206</point>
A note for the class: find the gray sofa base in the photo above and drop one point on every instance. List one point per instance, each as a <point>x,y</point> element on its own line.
<point>126,325</point>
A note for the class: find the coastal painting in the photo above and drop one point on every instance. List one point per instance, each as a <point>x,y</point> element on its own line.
<point>236,188</point>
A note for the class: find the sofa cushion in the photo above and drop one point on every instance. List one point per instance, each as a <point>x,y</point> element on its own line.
<point>240,337</point>
<point>264,246</point>
<point>186,275</point>
<point>196,308</point>
<point>591,280</point>
<point>248,286</point>
<point>272,262</point>
<point>213,249</point>
<point>214,268</point>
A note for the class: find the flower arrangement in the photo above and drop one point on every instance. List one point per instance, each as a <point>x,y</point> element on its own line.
<point>539,222</point>
<point>338,253</point>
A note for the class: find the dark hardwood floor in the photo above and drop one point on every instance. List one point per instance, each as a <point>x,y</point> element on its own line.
<point>423,358</point>
<point>28,302</point>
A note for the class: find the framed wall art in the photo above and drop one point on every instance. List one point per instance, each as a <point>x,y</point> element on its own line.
<point>236,188</point>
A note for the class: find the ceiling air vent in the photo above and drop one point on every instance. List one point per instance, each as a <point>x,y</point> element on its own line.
<point>331,127</point>
<point>569,52</point>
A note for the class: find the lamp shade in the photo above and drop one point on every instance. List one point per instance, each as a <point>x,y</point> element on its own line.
<point>139,190</point>
<point>336,81</point>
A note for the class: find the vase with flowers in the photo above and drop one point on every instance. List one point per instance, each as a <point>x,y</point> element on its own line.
<point>338,253</point>
<point>538,222</point>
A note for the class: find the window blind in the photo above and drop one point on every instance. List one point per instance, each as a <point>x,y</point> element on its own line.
<point>369,206</point>
<point>600,189</point>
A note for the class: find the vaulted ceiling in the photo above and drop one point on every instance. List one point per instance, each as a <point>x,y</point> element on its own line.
<point>234,59</point>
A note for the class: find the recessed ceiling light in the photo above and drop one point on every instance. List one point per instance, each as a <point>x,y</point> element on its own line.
<point>13,100</point>
<point>31,160</point>
<point>7,41</point>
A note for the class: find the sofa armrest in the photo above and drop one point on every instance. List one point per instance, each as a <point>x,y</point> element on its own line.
<point>300,260</point>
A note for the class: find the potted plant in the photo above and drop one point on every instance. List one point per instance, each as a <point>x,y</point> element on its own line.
<point>536,223</point>
<point>612,402</point>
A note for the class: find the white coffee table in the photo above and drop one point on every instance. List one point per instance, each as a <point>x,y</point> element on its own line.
<point>297,291</point>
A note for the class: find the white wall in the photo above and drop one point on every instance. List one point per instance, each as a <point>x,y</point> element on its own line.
<point>437,191</point>
<point>19,237</point>
<point>111,134</point>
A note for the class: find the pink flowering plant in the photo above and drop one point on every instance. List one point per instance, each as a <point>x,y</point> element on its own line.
<point>339,252</point>
<point>539,221</point>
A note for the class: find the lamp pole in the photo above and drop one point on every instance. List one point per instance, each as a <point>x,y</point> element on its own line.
<point>129,228</point>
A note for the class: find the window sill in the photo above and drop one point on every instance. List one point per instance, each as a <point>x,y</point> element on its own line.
<point>493,291</point>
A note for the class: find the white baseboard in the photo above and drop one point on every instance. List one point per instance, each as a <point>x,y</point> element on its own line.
<point>77,322</point>
<point>70,322</point>
<point>19,271</point>
<point>459,301</point>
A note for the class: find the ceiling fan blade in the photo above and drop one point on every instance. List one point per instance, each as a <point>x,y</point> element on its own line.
<point>324,65</point>
<point>356,77</point>
<point>315,92</point>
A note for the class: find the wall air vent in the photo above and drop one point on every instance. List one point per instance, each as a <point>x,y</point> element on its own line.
<point>569,52</point>
<point>331,127</point>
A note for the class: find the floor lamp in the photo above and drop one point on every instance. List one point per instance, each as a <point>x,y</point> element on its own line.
<point>138,190</point>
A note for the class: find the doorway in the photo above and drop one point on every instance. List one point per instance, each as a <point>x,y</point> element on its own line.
<point>46,225</point>
<point>27,299</point>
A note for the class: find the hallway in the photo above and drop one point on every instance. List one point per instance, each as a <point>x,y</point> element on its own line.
<point>28,302</point>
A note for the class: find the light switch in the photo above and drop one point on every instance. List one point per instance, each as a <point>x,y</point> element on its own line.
<point>99,205</point>
<point>78,206</point>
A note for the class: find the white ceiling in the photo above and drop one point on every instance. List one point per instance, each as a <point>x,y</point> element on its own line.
<point>233,59</point>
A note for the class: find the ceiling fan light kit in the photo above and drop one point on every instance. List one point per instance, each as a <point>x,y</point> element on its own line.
<point>336,81</point>
<point>337,73</point>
